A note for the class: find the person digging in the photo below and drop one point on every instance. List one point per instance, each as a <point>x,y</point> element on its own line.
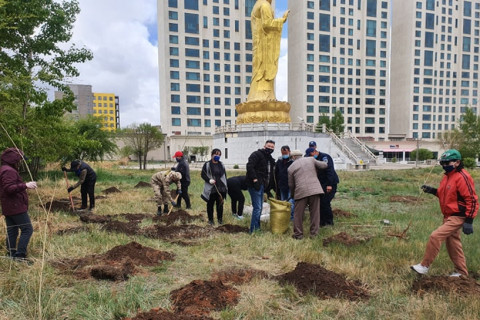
<point>87,178</point>
<point>161,182</point>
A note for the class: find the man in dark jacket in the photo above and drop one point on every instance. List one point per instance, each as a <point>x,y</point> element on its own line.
<point>328,179</point>
<point>281,177</point>
<point>260,170</point>
<point>184,169</point>
<point>86,179</point>
<point>235,185</point>
<point>14,198</point>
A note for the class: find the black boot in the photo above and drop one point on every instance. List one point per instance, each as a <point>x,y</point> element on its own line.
<point>159,210</point>
<point>165,208</point>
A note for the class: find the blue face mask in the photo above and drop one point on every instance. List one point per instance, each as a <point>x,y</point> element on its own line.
<point>448,169</point>
<point>315,156</point>
<point>285,156</point>
<point>216,158</point>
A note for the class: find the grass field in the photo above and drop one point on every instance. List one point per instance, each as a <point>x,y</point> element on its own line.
<point>382,263</point>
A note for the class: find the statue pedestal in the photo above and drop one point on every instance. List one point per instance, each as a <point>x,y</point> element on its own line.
<point>260,111</point>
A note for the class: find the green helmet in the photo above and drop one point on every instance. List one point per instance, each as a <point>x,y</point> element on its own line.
<point>451,155</point>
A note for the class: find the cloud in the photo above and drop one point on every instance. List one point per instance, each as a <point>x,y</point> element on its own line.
<point>122,37</point>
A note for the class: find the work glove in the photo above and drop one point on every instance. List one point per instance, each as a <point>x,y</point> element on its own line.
<point>467,228</point>
<point>173,168</point>
<point>31,185</point>
<point>64,169</point>
<point>173,203</point>
<point>428,189</point>
<point>212,181</point>
<point>70,189</point>
<point>179,191</point>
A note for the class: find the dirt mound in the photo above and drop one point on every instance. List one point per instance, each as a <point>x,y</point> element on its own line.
<point>143,184</point>
<point>405,199</point>
<point>179,215</point>
<point>314,279</point>
<point>176,232</point>
<point>71,230</point>
<point>232,228</point>
<point>61,205</point>
<point>238,276</point>
<point>162,314</point>
<point>116,264</point>
<point>345,239</point>
<point>341,213</point>
<point>131,228</point>
<point>200,297</point>
<point>94,218</point>
<point>111,190</point>
<point>463,286</point>
<point>135,216</point>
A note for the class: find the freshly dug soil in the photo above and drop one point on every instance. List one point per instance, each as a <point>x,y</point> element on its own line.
<point>179,215</point>
<point>71,230</point>
<point>345,239</point>
<point>143,184</point>
<point>131,228</point>
<point>162,314</point>
<point>176,232</point>
<point>95,218</point>
<point>61,205</point>
<point>111,190</point>
<point>314,279</point>
<point>201,297</point>
<point>116,264</point>
<point>341,213</point>
<point>136,216</point>
<point>238,276</point>
<point>232,228</point>
<point>462,286</point>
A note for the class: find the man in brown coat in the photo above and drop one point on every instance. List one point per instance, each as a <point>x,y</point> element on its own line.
<point>161,182</point>
<point>305,189</point>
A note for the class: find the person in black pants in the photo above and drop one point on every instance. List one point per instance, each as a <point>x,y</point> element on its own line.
<point>86,179</point>
<point>215,187</point>
<point>184,169</point>
<point>328,179</point>
<point>235,186</point>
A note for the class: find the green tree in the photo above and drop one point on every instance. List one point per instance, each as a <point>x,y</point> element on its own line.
<point>34,57</point>
<point>423,154</point>
<point>334,124</point>
<point>93,143</point>
<point>140,139</point>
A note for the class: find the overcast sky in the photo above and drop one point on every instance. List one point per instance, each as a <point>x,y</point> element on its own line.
<point>123,38</point>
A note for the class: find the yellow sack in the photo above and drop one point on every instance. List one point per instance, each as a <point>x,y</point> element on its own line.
<point>279,215</point>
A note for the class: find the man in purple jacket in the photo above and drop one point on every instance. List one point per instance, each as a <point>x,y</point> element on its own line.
<point>14,199</point>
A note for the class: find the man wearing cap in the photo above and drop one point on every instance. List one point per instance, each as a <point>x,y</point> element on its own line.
<point>328,179</point>
<point>184,169</point>
<point>14,198</point>
<point>86,179</point>
<point>260,170</point>
<point>281,177</point>
<point>306,190</point>
<point>161,182</point>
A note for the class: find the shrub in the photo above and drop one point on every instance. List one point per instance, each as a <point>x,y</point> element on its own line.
<point>235,166</point>
<point>469,163</point>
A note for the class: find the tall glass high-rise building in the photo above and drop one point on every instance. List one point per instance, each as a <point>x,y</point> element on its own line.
<point>339,61</point>
<point>205,63</point>
<point>435,53</point>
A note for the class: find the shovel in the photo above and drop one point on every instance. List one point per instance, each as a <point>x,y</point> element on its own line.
<point>69,194</point>
<point>176,198</point>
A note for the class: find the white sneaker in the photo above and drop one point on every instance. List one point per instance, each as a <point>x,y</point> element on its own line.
<point>239,217</point>
<point>419,268</point>
<point>455,274</point>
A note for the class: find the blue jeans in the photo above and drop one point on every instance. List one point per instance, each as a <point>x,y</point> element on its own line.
<point>257,204</point>
<point>284,196</point>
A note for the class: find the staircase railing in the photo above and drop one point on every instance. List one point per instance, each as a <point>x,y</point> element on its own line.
<point>362,145</point>
<point>340,144</point>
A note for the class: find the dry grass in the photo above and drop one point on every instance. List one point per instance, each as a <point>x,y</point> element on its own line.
<point>382,263</point>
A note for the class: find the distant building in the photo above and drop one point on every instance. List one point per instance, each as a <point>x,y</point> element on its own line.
<point>102,105</point>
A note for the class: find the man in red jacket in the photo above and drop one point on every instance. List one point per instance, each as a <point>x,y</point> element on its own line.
<point>459,205</point>
<point>14,199</point>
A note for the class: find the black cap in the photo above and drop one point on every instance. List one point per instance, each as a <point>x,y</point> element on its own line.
<point>312,144</point>
<point>74,164</point>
